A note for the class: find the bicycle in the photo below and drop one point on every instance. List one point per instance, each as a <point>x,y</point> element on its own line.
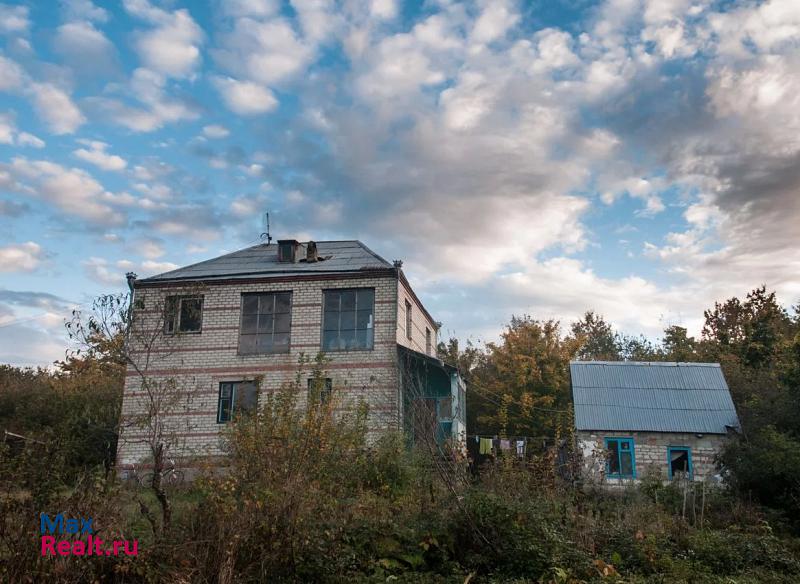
<point>170,476</point>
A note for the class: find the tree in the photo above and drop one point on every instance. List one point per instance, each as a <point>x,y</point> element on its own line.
<point>678,345</point>
<point>522,381</point>
<point>595,339</point>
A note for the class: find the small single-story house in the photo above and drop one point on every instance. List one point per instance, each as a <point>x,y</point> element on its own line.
<point>632,418</point>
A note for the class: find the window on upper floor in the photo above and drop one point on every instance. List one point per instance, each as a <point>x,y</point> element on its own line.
<point>409,321</point>
<point>428,341</point>
<point>235,398</point>
<point>266,323</point>
<point>348,319</point>
<point>183,314</point>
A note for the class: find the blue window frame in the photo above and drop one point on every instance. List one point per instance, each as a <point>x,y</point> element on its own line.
<point>679,460</point>
<point>621,463</point>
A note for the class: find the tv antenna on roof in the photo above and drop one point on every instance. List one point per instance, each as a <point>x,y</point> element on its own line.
<point>266,234</point>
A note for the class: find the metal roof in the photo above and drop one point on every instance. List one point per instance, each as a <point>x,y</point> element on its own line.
<point>262,260</point>
<point>651,397</point>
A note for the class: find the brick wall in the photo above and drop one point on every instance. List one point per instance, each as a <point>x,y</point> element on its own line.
<point>650,452</point>
<point>419,322</point>
<point>198,363</point>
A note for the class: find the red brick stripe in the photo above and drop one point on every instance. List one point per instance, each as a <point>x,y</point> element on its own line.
<point>261,368</point>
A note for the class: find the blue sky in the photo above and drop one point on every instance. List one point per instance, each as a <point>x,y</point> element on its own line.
<point>639,158</point>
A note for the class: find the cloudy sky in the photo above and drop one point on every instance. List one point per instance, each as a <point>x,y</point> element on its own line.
<point>541,157</point>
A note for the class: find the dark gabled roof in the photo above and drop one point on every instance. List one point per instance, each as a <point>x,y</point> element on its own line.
<point>262,261</point>
<point>651,397</point>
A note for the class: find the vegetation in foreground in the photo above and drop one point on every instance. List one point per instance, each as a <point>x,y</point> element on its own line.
<point>304,500</point>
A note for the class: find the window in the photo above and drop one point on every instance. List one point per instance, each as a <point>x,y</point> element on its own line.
<point>621,460</point>
<point>319,390</point>
<point>428,343</point>
<point>236,398</point>
<point>409,320</point>
<point>445,408</point>
<point>679,459</point>
<point>266,322</point>
<point>348,319</point>
<point>183,314</point>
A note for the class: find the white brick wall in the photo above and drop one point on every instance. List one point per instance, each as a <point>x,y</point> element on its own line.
<point>419,322</point>
<point>198,363</point>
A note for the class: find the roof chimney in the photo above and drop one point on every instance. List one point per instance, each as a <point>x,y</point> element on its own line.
<point>311,252</point>
<point>287,250</point>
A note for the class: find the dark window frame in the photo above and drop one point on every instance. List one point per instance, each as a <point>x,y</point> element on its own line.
<point>231,399</point>
<point>428,341</point>
<point>371,337</point>
<point>274,294</point>
<point>326,392</point>
<point>409,321</point>
<point>173,314</point>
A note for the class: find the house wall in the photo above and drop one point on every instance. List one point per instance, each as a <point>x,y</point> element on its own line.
<point>198,363</point>
<point>650,452</point>
<point>419,321</point>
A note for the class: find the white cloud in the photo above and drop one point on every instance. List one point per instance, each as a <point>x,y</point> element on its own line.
<point>216,131</point>
<point>11,75</point>
<point>84,10</point>
<point>80,43</point>
<point>26,139</point>
<point>244,97</point>
<point>172,47</point>
<point>22,257</point>
<point>96,154</point>
<point>496,18</point>
<point>56,108</point>
<point>72,190</point>
<point>10,135</point>
<point>157,108</point>
<point>14,19</point>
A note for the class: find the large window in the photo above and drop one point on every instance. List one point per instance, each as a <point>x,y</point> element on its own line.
<point>348,319</point>
<point>236,398</point>
<point>679,459</point>
<point>266,322</point>
<point>183,314</point>
<point>621,458</point>
<point>428,341</point>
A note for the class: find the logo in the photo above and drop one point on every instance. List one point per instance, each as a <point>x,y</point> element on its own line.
<point>62,542</point>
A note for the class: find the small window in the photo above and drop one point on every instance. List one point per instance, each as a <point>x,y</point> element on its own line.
<point>183,314</point>
<point>348,319</point>
<point>621,458</point>
<point>679,459</point>
<point>266,323</point>
<point>409,321</point>
<point>428,341</point>
<point>236,398</point>
<point>319,390</point>
<point>446,408</point>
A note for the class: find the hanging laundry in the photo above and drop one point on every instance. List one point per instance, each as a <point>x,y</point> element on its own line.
<point>520,448</point>
<point>505,444</point>
<point>486,446</point>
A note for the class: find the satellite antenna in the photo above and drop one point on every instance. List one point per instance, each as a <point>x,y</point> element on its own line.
<point>266,234</point>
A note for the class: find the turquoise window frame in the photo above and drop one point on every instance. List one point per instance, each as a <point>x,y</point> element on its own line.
<point>688,449</point>
<point>619,442</point>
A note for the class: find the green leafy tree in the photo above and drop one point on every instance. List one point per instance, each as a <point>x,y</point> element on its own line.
<point>595,339</point>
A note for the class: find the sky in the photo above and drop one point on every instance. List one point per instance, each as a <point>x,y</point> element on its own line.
<point>637,158</point>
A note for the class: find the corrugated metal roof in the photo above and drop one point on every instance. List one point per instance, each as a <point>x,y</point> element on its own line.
<point>654,397</point>
<point>262,260</point>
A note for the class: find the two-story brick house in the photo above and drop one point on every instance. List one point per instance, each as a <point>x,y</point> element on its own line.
<point>211,329</point>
